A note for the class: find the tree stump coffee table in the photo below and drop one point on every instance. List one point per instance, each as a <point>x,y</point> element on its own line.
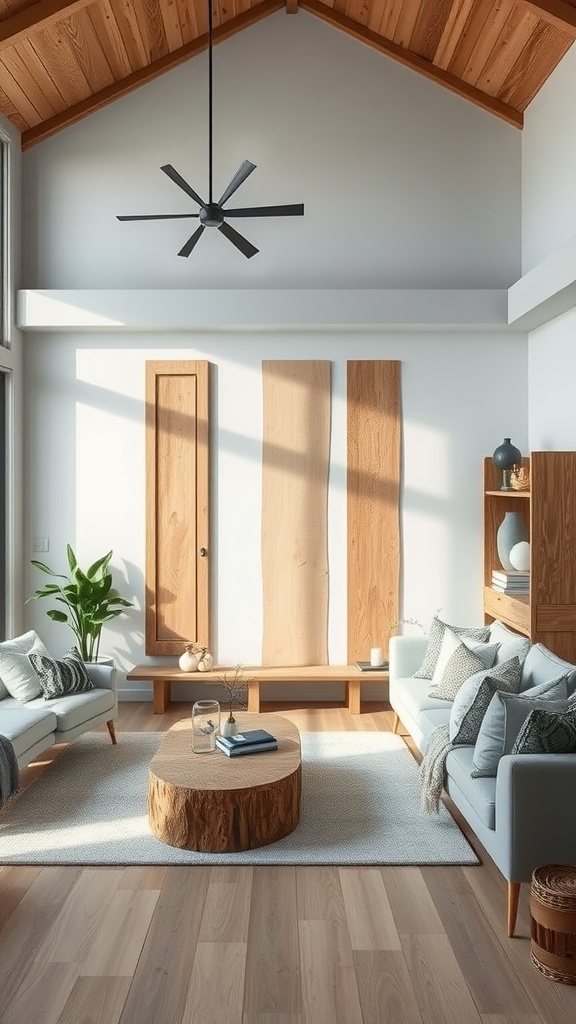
<point>218,804</point>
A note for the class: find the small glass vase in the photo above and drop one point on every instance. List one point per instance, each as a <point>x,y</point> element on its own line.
<point>205,726</point>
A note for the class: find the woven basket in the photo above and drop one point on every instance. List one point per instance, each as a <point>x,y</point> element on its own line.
<point>553,913</point>
<point>520,479</point>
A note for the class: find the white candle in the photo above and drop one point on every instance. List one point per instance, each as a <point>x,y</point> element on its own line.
<point>376,656</point>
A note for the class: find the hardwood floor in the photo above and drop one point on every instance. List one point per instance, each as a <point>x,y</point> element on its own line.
<point>279,945</point>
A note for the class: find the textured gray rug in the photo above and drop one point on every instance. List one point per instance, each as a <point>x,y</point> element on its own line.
<point>360,805</point>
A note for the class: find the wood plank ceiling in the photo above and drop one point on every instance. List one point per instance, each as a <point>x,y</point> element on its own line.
<point>60,60</point>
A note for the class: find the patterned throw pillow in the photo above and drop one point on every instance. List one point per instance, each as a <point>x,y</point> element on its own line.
<point>504,718</point>
<point>457,662</point>
<point>473,698</point>
<point>61,678</point>
<point>546,732</point>
<point>434,644</point>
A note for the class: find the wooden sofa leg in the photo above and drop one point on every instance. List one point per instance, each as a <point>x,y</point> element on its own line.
<point>513,899</point>
<point>396,723</point>
<point>111,730</point>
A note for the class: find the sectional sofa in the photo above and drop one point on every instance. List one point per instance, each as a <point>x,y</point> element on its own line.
<point>521,805</point>
<point>32,721</point>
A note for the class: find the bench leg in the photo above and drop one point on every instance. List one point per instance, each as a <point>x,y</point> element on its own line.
<point>396,723</point>
<point>253,695</point>
<point>353,696</point>
<point>111,730</point>
<point>161,695</point>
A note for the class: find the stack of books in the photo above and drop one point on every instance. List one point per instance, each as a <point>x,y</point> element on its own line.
<point>253,741</point>
<point>510,582</point>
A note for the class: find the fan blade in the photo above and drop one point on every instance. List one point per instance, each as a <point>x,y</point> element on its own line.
<point>246,247</point>
<point>187,248</point>
<point>291,210</point>
<point>179,180</point>
<point>161,216</point>
<point>242,173</point>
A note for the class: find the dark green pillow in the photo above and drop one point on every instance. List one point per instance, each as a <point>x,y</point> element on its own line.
<point>547,732</point>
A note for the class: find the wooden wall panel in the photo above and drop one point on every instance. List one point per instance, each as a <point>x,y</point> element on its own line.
<point>295,465</point>
<point>373,496</point>
<point>177,521</point>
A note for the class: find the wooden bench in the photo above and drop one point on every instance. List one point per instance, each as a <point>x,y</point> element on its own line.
<point>162,676</point>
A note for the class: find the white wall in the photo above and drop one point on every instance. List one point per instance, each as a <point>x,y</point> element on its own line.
<point>405,185</point>
<point>85,416</point>
<point>548,224</point>
<point>548,161</point>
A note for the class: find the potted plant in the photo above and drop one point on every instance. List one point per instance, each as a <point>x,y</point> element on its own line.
<point>88,597</point>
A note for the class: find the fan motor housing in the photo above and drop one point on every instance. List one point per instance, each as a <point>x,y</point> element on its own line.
<point>211,216</point>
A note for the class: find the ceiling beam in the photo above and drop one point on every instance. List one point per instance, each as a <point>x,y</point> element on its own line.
<point>39,16</point>
<point>171,60</point>
<point>555,12</point>
<point>413,61</point>
<point>291,6</point>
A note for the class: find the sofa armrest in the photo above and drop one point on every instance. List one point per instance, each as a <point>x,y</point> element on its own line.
<point>103,676</point>
<point>534,811</point>
<point>405,654</point>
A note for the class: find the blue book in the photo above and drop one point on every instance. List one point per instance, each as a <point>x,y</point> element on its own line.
<point>245,748</point>
<point>248,738</point>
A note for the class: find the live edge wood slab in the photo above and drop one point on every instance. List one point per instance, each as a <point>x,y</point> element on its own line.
<point>162,676</point>
<point>217,804</point>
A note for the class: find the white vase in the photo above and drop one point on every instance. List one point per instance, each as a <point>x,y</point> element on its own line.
<point>188,661</point>
<point>229,727</point>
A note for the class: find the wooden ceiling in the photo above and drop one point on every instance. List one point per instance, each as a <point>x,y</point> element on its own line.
<point>60,60</point>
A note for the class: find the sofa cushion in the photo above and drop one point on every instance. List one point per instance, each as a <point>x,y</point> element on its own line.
<point>511,644</point>
<point>479,792</point>
<point>457,661</point>
<point>26,726</point>
<point>59,678</point>
<point>16,672</point>
<point>434,643</point>
<point>474,696</point>
<point>431,720</point>
<point>505,716</point>
<point>77,709</point>
<point>542,664</point>
<point>547,732</point>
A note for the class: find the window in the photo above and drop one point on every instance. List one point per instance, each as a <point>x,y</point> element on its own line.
<point>4,242</point>
<point>3,503</point>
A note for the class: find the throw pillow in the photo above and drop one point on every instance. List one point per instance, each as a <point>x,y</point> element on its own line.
<point>547,732</point>
<point>472,700</point>
<point>456,663</point>
<point>434,643</point>
<point>63,677</point>
<point>511,644</point>
<point>16,672</point>
<point>504,717</point>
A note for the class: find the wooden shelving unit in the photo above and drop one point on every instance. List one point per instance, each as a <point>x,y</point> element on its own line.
<point>547,614</point>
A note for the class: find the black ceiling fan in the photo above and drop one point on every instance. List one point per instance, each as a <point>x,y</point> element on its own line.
<point>211,214</point>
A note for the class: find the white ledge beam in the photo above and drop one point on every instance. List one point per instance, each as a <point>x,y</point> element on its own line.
<point>238,309</point>
<point>546,291</point>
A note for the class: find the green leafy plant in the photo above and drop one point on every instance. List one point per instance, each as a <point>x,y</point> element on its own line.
<point>89,598</point>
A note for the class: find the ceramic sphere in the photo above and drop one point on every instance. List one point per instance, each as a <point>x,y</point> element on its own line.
<point>520,556</point>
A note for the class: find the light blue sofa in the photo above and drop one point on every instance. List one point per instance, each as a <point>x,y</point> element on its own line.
<point>37,724</point>
<point>524,817</point>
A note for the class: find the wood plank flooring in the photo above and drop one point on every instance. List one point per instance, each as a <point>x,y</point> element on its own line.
<point>278,945</point>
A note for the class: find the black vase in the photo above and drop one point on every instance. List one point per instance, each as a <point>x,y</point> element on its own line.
<point>505,458</point>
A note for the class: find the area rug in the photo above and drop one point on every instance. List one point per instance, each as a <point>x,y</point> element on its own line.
<point>360,805</point>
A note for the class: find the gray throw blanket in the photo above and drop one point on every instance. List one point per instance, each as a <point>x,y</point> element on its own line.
<point>9,771</point>
<point>432,768</point>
